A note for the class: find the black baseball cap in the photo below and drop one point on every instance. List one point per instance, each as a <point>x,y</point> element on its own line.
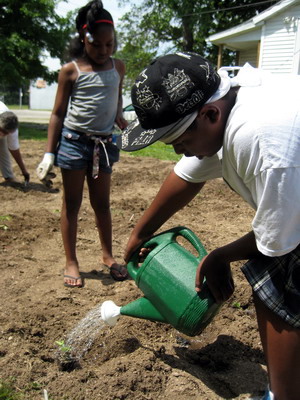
<point>170,88</point>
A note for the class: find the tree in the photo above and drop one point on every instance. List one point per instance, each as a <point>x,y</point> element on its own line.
<point>156,27</point>
<point>29,28</point>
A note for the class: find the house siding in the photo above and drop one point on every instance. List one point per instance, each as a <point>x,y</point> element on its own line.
<point>42,97</point>
<point>249,55</point>
<point>280,42</point>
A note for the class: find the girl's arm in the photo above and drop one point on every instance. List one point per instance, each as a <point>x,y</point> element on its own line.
<point>66,79</point>
<point>120,120</point>
<point>174,194</point>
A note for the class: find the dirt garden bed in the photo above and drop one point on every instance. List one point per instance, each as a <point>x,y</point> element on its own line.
<point>136,359</point>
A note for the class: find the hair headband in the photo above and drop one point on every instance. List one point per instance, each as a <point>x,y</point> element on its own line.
<point>107,21</point>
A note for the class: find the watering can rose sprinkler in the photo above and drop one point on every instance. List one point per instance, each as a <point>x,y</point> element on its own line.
<point>167,279</point>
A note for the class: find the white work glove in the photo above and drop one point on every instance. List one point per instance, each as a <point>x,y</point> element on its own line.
<point>44,169</point>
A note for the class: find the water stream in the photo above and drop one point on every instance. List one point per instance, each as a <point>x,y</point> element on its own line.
<point>83,335</point>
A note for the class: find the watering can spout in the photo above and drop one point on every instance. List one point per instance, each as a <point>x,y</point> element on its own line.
<point>110,312</point>
<point>142,308</point>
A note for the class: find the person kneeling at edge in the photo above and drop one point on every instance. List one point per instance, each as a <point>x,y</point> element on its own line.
<point>9,143</point>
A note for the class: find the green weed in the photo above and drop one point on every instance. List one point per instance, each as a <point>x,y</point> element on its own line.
<point>63,347</point>
<point>5,217</point>
<point>65,357</point>
<point>8,392</point>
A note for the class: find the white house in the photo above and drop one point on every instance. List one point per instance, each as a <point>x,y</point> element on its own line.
<point>270,40</point>
<point>42,95</point>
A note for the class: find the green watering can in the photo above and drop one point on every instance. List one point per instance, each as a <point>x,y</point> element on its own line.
<point>167,279</point>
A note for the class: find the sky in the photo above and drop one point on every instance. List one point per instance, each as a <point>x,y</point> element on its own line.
<point>109,5</point>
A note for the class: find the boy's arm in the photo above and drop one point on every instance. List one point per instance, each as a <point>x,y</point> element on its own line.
<point>174,194</point>
<point>19,160</point>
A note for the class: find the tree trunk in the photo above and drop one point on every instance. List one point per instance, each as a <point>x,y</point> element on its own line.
<point>187,31</point>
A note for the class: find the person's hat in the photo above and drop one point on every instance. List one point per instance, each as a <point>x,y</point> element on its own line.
<point>170,89</point>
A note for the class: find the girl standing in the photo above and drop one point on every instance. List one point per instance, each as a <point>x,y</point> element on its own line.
<point>88,103</point>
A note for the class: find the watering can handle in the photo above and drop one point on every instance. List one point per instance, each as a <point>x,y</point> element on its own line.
<point>172,234</point>
<point>193,239</point>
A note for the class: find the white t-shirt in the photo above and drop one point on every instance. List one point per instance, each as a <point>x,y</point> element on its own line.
<point>260,160</point>
<point>12,138</point>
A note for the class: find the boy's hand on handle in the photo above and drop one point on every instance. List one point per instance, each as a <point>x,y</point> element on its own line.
<point>218,277</point>
<point>144,251</point>
<point>133,244</point>
<point>44,169</point>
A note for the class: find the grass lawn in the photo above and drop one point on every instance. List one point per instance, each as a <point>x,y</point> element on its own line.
<point>32,131</point>
<point>158,150</point>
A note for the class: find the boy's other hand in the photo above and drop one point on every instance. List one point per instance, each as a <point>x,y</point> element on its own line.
<point>218,277</point>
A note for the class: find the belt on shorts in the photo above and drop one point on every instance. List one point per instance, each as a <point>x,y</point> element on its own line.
<point>98,139</point>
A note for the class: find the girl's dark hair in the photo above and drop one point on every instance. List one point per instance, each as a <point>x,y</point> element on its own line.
<point>86,19</point>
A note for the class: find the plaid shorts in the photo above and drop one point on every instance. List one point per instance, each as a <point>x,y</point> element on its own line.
<point>276,281</point>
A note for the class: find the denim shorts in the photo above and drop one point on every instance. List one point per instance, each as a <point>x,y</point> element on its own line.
<point>75,151</point>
